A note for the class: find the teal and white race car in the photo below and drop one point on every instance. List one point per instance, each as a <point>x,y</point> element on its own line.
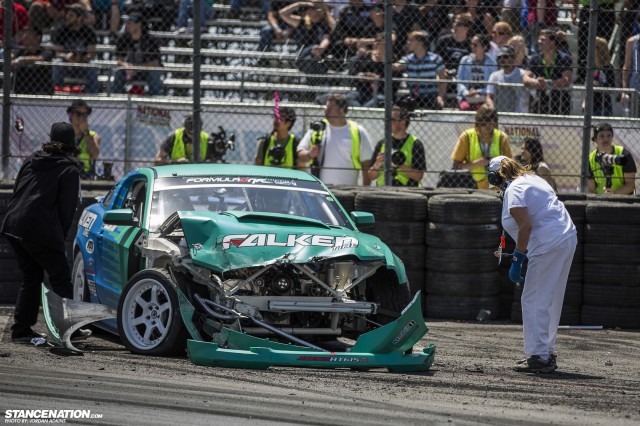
<point>262,251</point>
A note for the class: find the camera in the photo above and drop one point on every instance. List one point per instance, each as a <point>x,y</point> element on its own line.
<point>277,154</point>
<point>610,159</point>
<point>218,145</point>
<point>318,126</point>
<point>398,158</point>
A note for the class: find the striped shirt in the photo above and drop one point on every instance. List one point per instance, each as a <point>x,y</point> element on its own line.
<point>427,67</point>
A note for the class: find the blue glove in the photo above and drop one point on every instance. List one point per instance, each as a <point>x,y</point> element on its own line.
<point>515,272</point>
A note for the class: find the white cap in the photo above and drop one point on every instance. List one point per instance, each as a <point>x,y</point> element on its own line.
<point>496,162</point>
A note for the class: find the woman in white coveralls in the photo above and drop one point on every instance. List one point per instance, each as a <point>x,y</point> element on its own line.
<point>543,231</point>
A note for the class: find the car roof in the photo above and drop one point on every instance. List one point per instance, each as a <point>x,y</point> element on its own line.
<point>210,169</point>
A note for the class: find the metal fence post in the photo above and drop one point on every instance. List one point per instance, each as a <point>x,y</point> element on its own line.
<point>6,87</point>
<point>588,108</point>
<point>128,136</point>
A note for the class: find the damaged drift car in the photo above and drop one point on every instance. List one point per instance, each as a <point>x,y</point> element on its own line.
<point>216,251</point>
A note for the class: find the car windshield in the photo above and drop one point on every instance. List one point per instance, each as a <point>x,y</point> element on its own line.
<point>223,194</point>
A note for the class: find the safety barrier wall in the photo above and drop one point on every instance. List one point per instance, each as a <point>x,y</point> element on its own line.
<point>132,129</point>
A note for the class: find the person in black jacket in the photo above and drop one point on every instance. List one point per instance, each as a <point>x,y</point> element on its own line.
<point>36,223</point>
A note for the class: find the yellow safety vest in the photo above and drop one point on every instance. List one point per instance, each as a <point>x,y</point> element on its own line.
<point>617,178</point>
<point>475,152</point>
<point>84,156</point>
<point>355,142</point>
<point>288,152</point>
<point>178,145</point>
<point>407,150</point>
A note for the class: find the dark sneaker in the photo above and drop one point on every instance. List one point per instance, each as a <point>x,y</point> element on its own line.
<point>81,334</point>
<point>25,336</point>
<point>535,364</point>
<point>553,358</point>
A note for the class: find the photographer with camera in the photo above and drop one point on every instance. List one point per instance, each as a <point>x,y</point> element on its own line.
<point>336,147</point>
<point>177,148</point>
<point>612,169</point>
<point>279,148</point>
<point>408,159</point>
<point>477,146</point>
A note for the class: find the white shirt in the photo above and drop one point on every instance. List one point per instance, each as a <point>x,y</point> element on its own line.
<point>550,221</point>
<point>335,154</point>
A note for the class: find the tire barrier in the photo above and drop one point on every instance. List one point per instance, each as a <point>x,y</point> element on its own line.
<point>10,276</point>
<point>611,290</point>
<point>446,238</point>
<point>462,272</point>
<point>400,222</point>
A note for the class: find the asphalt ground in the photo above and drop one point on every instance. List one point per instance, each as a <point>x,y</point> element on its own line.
<point>470,383</point>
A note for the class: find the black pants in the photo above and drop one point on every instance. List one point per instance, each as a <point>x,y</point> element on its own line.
<point>34,259</point>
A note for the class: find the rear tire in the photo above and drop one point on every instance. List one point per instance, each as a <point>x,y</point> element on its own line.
<point>149,320</point>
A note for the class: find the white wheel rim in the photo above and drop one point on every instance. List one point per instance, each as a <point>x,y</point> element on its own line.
<point>78,279</point>
<point>146,314</point>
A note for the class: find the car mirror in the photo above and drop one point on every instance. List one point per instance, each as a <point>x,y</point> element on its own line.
<point>363,218</point>
<point>119,217</point>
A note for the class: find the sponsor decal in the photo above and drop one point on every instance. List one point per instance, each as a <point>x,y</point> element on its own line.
<point>110,228</point>
<point>247,180</point>
<point>404,331</point>
<point>91,266</point>
<point>290,240</point>
<point>352,359</point>
<point>87,219</point>
<point>153,116</point>
<point>89,246</point>
<point>92,287</point>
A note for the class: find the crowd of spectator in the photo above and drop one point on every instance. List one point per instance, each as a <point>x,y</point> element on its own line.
<point>446,51</point>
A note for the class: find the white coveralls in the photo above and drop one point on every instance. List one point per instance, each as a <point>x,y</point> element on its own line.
<point>550,251</point>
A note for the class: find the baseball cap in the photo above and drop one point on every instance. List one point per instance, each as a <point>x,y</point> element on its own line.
<point>506,50</point>
<point>496,162</point>
<point>135,17</point>
<point>79,103</point>
<point>77,8</point>
<point>63,133</point>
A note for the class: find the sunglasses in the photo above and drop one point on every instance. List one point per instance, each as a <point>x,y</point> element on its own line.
<point>475,44</point>
<point>81,114</point>
<point>500,33</point>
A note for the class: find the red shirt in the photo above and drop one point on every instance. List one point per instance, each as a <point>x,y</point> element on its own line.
<point>20,20</point>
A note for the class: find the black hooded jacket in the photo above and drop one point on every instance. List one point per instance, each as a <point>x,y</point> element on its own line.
<point>44,199</point>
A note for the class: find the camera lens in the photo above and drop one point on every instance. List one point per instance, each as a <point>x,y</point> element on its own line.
<point>318,126</point>
<point>398,158</point>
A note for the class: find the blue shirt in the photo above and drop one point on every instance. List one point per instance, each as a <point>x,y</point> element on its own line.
<point>427,67</point>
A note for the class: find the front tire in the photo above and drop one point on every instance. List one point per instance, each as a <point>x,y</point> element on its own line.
<point>149,320</point>
<point>79,280</point>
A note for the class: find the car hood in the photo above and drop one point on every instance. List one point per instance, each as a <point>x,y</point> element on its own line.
<point>232,240</point>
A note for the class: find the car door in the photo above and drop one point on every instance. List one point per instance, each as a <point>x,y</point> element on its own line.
<point>117,256</point>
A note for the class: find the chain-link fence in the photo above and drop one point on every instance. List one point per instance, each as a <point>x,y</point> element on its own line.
<point>132,62</point>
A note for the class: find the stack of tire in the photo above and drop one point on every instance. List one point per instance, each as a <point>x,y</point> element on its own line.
<point>400,219</point>
<point>10,275</point>
<point>611,293</point>
<point>572,302</point>
<point>462,271</point>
